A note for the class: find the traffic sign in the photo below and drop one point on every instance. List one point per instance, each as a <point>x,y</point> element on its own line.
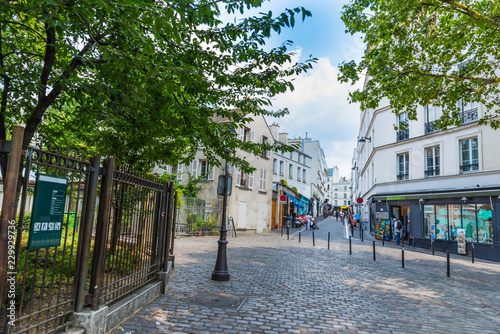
<point>359,200</point>
<point>283,198</point>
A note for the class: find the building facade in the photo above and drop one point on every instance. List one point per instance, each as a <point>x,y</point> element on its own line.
<point>338,190</point>
<point>250,203</point>
<point>439,183</point>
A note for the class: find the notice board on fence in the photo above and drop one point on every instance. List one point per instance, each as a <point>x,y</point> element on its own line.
<point>48,211</point>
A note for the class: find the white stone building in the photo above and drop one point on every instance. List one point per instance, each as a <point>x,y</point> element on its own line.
<point>435,181</point>
<point>319,178</point>
<point>338,190</point>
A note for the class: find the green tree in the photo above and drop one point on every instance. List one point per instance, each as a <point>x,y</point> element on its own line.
<point>141,80</point>
<point>436,52</point>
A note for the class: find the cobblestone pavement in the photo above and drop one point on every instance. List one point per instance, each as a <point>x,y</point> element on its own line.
<point>292,287</point>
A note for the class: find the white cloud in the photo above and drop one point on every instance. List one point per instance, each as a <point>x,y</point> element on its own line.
<point>319,107</point>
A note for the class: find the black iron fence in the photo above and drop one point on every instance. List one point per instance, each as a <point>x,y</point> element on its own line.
<point>131,242</point>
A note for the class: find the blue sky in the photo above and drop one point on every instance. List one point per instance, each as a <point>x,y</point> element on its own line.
<point>319,104</point>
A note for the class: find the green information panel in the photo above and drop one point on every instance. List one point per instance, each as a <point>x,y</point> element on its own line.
<point>48,211</point>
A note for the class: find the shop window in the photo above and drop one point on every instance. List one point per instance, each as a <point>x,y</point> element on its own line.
<point>469,157</point>
<point>484,223</point>
<point>469,222</point>
<point>455,220</point>
<point>429,220</point>
<point>477,220</point>
<point>441,229</point>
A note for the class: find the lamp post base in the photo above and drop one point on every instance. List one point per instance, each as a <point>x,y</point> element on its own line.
<point>220,272</point>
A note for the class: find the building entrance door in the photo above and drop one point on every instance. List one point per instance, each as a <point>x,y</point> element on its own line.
<point>402,212</point>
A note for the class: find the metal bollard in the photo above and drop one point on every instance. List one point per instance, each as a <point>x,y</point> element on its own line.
<point>447,264</point>
<point>299,235</point>
<point>472,252</point>
<point>350,246</point>
<point>402,256</point>
<point>282,231</point>
<point>362,235</point>
<point>328,240</point>
<point>313,239</point>
<point>374,256</point>
<point>288,233</point>
<point>432,246</point>
<point>383,239</point>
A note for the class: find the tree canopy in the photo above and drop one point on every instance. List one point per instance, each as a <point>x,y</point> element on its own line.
<point>141,80</point>
<point>432,52</point>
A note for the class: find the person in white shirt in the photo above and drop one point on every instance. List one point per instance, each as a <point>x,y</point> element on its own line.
<point>397,230</point>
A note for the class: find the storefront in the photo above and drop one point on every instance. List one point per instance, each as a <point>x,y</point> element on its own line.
<point>437,217</point>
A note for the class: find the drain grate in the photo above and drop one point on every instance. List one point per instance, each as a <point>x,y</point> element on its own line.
<point>220,300</point>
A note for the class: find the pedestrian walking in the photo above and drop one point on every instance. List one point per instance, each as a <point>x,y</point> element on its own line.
<point>397,230</point>
<point>308,221</point>
<point>336,215</point>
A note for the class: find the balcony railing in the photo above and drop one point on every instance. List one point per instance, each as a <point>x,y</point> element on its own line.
<point>469,167</point>
<point>432,172</point>
<point>431,127</point>
<point>403,134</point>
<point>469,116</point>
<point>403,176</point>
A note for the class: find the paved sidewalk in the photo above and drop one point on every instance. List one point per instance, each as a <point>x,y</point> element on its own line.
<point>291,287</point>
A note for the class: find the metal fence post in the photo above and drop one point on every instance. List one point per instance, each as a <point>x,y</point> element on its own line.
<point>99,257</point>
<point>174,219</point>
<point>313,239</point>
<point>350,246</point>
<point>374,256</point>
<point>86,238</point>
<point>9,202</point>
<point>169,225</point>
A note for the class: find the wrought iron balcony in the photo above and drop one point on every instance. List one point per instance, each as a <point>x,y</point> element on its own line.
<point>403,134</point>
<point>403,176</point>
<point>432,172</point>
<point>431,127</point>
<point>469,116</point>
<point>469,167</point>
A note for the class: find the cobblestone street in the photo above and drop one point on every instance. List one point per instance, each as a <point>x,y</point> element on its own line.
<point>285,286</point>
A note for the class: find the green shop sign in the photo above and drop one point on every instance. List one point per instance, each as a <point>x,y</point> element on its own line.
<point>396,198</point>
<point>48,211</point>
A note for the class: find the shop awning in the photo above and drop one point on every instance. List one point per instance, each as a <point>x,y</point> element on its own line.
<point>295,201</point>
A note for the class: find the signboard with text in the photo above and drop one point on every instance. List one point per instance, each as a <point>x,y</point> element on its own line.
<point>48,211</point>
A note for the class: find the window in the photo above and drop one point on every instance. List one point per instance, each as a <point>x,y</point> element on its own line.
<point>290,171</point>
<point>468,111</point>
<point>430,119</point>
<point>403,123</point>
<point>336,202</point>
<point>432,163</point>
<point>263,176</point>
<point>469,160</point>
<point>264,139</point>
<point>206,171</point>
<point>246,134</point>
<point>282,168</point>
<point>442,221</point>
<point>336,195</point>
<point>180,170</point>
<point>345,187</point>
<point>243,179</point>
<point>298,173</point>
<point>403,166</point>
<point>345,202</point>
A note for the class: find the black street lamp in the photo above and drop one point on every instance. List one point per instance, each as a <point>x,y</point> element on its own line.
<point>220,272</point>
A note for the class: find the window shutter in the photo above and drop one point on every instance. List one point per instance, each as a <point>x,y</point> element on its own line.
<point>238,177</point>
<point>268,153</point>
<point>264,179</point>
<point>180,168</point>
<point>210,173</point>
<point>194,168</point>
<point>252,136</point>
<point>250,179</point>
<point>261,138</point>
<point>242,134</point>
